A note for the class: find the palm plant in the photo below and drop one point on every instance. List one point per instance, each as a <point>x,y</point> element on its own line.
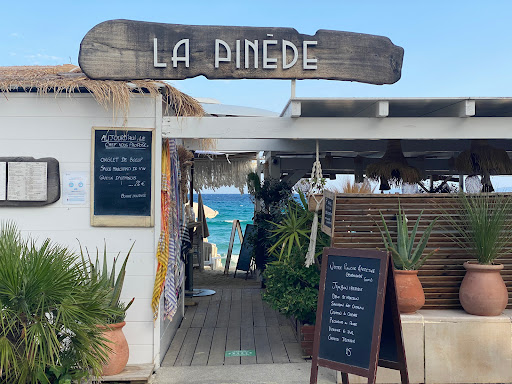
<point>292,229</point>
<point>47,311</point>
<point>483,227</point>
<point>109,281</point>
<point>405,256</point>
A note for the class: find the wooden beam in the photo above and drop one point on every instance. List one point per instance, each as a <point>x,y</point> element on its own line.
<point>327,128</point>
<point>292,109</point>
<point>378,109</point>
<point>463,108</point>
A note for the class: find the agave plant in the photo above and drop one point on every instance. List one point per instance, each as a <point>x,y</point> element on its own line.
<point>293,229</point>
<point>405,256</point>
<point>48,314</point>
<point>113,285</point>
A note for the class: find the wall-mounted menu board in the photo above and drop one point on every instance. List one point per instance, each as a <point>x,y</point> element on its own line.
<point>355,285</point>
<point>29,182</point>
<point>122,177</point>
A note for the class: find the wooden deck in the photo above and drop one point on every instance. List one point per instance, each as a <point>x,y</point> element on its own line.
<point>234,319</point>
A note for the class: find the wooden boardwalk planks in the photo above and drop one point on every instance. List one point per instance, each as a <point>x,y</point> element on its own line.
<point>233,320</point>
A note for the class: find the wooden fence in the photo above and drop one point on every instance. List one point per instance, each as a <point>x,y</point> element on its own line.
<point>355,227</point>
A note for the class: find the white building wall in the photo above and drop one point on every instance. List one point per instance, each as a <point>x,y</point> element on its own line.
<point>60,127</point>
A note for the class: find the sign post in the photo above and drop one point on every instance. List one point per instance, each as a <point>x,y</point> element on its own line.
<point>357,321</point>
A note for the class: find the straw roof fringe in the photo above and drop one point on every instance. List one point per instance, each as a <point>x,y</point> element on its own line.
<point>393,166</point>
<point>482,159</point>
<point>69,78</point>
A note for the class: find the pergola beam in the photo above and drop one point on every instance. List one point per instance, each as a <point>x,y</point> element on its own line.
<point>331,128</point>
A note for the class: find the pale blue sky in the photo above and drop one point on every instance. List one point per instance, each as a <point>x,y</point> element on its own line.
<point>452,47</point>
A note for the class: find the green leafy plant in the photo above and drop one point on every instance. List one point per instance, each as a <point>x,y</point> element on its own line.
<point>109,281</point>
<point>291,288</point>
<point>482,225</point>
<point>405,255</point>
<point>48,311</point>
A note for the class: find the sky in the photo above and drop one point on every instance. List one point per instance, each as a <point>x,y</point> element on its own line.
<point>453,48</point>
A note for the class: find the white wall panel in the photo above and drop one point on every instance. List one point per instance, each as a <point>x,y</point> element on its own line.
<point>61,127</point>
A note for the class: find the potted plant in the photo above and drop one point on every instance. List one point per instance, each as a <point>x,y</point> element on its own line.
<point>483,228</point>
<point>407,259</point>
<point>113,331</point>
<point>49,315</point>
<point>291,287</point>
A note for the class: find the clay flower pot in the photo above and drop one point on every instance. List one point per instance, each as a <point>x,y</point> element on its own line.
<point>118,357</point>
<point>307,336</point>
<point>483,291</point>
<point>409,291</point>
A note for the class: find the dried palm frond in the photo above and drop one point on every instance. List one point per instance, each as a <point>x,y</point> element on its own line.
<point>482,159</point>
<point>108,93</point>
<point>393,166</point>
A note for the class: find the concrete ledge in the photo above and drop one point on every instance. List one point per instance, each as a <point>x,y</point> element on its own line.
<point>451,346</point>
<point>140,373</point>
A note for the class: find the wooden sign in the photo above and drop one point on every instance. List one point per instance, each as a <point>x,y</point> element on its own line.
<point>328,213</point>
<point>246,250</point>
<point>122,177</point>
<point>356,298</point>
<point>130,50</point>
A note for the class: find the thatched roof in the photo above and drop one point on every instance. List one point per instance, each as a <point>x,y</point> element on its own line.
<point>109,93</point>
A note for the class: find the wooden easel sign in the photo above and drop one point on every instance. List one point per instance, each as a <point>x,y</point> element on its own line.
<point>357,319</point>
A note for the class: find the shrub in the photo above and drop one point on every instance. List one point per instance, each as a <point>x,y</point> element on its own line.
<point>49,314</point>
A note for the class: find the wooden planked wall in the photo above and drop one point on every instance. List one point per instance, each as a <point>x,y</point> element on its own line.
<point>60,126</point>
<point>355,227</point>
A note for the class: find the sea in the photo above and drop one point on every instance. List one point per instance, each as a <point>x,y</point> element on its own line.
<point>230,207</point>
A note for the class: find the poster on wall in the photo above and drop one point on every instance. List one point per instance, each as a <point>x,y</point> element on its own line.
<point>74,188</point>
<point>122,180</point>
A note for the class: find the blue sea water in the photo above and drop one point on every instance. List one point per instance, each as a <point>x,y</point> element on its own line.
<point>230,207</point>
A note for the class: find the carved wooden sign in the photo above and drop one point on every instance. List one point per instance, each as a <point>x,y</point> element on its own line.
<point>131,50</point>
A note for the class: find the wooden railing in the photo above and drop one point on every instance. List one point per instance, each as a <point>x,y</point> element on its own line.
<point>355,227</point>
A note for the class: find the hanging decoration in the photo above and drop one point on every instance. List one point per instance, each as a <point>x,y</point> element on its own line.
<point>392,168</point>
<point>171,289</point>
<point>317,186</point>
<point>222,172</point>
<point>162,254</point>
<point>169,264</point>
<point>484,160</point>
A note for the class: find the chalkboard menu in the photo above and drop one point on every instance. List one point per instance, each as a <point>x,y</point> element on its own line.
<point>356,293</point>
<point>246,251</point>
<point>122,177</point>
<point>329,209</point>
<point>351,286</point>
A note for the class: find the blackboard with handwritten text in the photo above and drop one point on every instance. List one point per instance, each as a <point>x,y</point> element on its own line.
<point>357,321</point>
<point>122,172</point>
<point>348,316</point>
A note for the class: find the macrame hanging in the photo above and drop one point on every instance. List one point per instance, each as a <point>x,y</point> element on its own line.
<point>222,172</point>
<point>316,187</point>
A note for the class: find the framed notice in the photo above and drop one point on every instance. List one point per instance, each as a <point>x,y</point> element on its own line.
<point>122,177</point>
<point>329,208</point>
<point>357,321</point>
<point>27,181</point>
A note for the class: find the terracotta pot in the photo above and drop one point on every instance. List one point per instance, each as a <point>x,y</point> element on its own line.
<point>409,291</point>
<point>307,336</point>
<point>483,291</point>
<point>118,357</point>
